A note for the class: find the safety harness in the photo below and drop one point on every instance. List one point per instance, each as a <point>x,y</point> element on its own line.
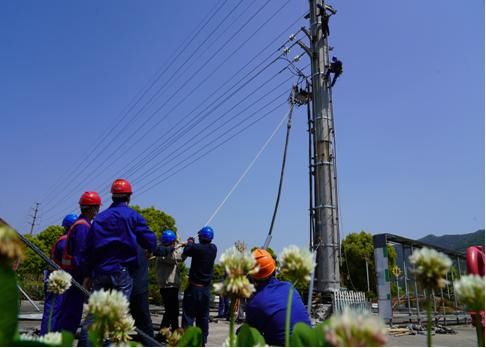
<point>54,247</point>
<point>67,259</point>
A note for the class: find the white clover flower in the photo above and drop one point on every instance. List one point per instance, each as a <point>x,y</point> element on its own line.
<point>470,292</point>
<point>112,318</point>
<point>52,338</point>
<point>296,265</point>
<point>59,282</point>
<point>237,265</point>
<point>175,337</point>
<point>122,329</point>
<point>355,329</point>
<point>11,247</point>
<point>430,267</point>
<point>27,337</point>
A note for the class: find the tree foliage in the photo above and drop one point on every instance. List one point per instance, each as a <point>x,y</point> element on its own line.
<point>157,220</point>
<point>356,248</point>
<point>33,265</point>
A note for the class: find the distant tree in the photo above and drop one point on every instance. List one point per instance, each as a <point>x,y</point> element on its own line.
<point>218,272</point>
<point>356,249</point>
<point>33,265</point>
<point>157,220</point>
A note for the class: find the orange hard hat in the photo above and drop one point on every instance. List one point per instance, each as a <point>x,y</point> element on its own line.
<point>265,262</point>
<point>90,198</point>
<point>121,186</point>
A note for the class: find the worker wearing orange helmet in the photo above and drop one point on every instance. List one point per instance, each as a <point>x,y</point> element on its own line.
<point>266,309</point>
<point>72,305</point>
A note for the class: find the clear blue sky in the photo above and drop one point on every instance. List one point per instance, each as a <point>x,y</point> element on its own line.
<point>409,113</point>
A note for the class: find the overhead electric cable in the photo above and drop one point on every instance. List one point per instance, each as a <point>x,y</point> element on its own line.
<point>253,59</point>
<point>247,170</point>
<point>141,94</point>
<point>180,148</point>
<point>75,206</point>
<point>282,170</point>
<point>208,151</point>
<point>142,161</point>
<point>175,93</point>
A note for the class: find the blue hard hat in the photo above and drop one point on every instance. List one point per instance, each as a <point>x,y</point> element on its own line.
<point>69,220</point>
<point>206,234</point>
<point>168,236</point>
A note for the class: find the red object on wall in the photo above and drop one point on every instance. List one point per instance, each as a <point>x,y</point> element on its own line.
<point>475,265</point>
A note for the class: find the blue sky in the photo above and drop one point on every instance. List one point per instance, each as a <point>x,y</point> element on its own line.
<point>409,113</point>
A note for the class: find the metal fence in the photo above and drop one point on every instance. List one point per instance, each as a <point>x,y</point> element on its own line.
<point>355,300</point>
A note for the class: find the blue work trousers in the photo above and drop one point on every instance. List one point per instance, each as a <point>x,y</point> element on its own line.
<point>223,307</point>
<point>53,301</point>
<point>71,309</point>
<point>139,308</point>
<point>121,281</point>
<point>196,306</point>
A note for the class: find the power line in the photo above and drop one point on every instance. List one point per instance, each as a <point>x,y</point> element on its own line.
<point>227,132</point>
<point>148,156</point>
<point>223,114</point>
<point>176,92</point>
<point>234,92</point>
<point>260,109</point>
<point>244,98</point>
<point>112,153</point>
<point>162,70</point>
<point>246,170</point>
<point>221,143</point>
<point>229,80</point>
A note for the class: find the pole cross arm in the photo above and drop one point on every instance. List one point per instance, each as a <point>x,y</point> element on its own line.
<point>305,48</point>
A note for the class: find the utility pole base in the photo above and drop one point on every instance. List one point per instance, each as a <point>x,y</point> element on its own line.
<point>321,307</point>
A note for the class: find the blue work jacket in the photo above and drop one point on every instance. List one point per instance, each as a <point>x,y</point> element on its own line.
<point>76,244</point>
<point>59,250</point>
<point>140,273</point>
<point>267,307</point>
<point>114,238</point>
<point>202,263</point>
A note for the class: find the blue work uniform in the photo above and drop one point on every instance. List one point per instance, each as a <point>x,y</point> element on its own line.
<point>139,300</point>
<point>198,292</point>
<point>111,256</point>
<point>52,300</point>
<point>266,310</point>
<point>113,241</point>
<point>73,299</point>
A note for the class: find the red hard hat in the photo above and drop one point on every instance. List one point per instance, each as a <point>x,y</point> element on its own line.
<point>121,186</point>
<point>90,198</point>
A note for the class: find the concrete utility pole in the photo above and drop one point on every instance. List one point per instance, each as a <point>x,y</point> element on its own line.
<point>326,220</point>
<point>34,217</point>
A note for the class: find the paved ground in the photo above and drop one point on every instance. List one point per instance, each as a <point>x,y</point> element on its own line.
<point>218,331</point>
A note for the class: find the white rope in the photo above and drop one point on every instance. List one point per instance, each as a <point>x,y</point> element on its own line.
<point>250,166</point>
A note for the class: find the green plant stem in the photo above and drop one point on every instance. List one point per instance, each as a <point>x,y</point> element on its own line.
<point>287,318</point>
<point>232,323</point>
<point>429,319</point>
<point>479,329</point>
<point>50,314</point>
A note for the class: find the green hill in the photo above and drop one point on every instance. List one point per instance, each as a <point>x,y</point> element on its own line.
<point>457,242</point>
